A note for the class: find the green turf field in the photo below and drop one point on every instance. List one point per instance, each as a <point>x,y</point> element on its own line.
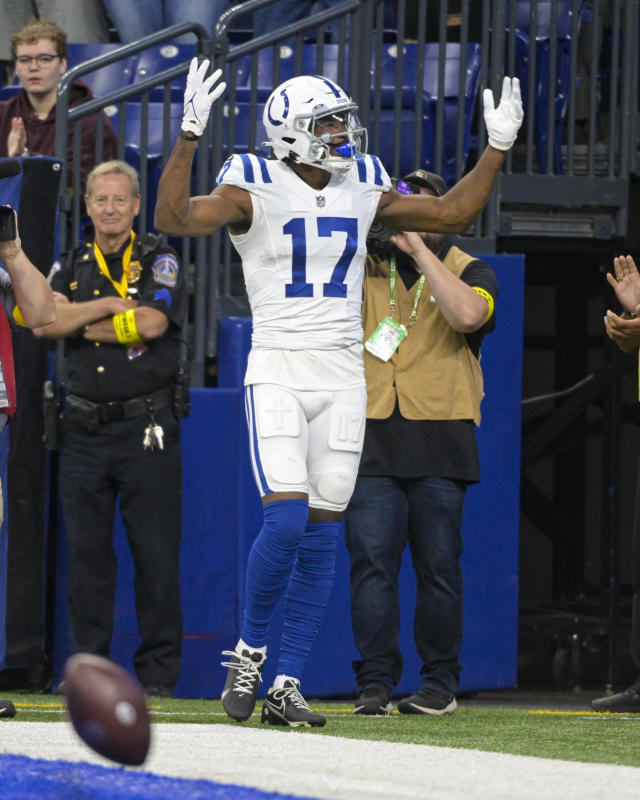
<point>548,733</point>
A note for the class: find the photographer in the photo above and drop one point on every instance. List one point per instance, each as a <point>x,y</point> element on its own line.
<point>427,306</point>
<point>26,296</point>
<point>27,300</point>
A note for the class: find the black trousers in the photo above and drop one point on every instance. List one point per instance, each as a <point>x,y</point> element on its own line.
<point>97,468</point>
<point>635,607</point>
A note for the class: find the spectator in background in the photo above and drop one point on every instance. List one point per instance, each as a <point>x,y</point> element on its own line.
<point>419,456</point>
<point>133,20</point>
<point>284,12</point>
<point>28,120</point>
<point>83,20</point>
<point>453,12</point>
<point>624,330</point>
<point>27,300</point>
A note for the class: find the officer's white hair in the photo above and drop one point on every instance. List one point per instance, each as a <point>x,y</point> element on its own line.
<point>114,167</point>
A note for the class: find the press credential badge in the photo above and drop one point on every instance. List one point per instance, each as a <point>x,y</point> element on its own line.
<point>386,338</point>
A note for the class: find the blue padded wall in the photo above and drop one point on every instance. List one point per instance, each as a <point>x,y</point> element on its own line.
<point>222,514</point>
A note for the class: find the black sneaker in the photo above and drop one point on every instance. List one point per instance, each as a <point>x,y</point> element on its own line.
<point>374,702</point>
<point>622,703</point>
<point>428,701</point>
<point>241,687</point>
<point>286,706</point>
<point>7,709</point>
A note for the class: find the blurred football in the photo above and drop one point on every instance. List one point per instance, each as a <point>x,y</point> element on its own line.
<point>107,708</point>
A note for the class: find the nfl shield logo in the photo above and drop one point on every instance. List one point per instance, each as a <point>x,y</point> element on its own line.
<point>320,201</point>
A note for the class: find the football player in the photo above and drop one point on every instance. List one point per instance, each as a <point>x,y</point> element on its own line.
<point>300,223</point>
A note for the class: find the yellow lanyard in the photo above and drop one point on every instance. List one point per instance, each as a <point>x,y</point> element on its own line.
<point>123,285</point>
<point>392,291</point>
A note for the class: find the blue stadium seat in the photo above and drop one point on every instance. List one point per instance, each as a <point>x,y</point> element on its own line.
<point>327,63</point>
<point>409,74</point>
<point>155,132</point>
<point>560,101</point>
<point>407,86</point>
<point>270,73</point>
<point>133,135</point>
<point>9,91</point>
<point>407,129</point>
<point>156,59</point>
<point>236,138</point>
<point>272,69</point>
<point>105,79</point>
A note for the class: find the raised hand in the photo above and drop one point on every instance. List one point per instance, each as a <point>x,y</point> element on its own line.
<point>199,96</point>
<point>17,138</point>
<point>503,122</point>
<point>626,282</point>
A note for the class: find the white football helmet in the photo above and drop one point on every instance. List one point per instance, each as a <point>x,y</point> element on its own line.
<point>291,117</point>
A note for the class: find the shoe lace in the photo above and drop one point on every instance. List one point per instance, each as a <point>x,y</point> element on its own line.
<point>292,693</point>
<point>247,671</point>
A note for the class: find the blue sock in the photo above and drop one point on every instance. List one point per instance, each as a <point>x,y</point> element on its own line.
<point>308,594</point>
<point>269,565</point>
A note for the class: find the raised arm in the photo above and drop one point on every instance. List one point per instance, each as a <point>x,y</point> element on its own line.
<point>32,292</point>
<point>178,214</point>
<point>463,308</point>
<point>459,207</point>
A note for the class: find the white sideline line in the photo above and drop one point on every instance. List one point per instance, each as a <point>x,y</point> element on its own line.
<point>335,768</point>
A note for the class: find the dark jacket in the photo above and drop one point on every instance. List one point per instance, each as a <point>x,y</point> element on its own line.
<point>41,133</point>
<point>113,371</point>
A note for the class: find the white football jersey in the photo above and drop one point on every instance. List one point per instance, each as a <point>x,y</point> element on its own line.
<point>303,257</point>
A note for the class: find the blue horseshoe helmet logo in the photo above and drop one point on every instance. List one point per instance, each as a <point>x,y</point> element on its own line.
<point>285,113</point>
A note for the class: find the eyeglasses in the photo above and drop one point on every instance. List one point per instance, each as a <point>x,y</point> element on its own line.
<point>43,60</point>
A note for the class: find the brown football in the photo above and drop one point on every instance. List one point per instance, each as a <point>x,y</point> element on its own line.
<point>107,708</point>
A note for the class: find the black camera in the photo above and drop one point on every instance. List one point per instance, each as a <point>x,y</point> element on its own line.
<point>378,239</point>
<point>7,224</point>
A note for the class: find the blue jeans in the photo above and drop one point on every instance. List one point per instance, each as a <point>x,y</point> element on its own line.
<point>284,12</point>
<point>383,516</point>
<point>133,20</point>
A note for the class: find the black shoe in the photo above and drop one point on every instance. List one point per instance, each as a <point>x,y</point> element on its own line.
<point>428,701</point>
<point>622,703</point>
<point>7,709</point>
<point>158,690</point>
<point>286,706</point>
<point>241,687</point>
<point>373,702</point>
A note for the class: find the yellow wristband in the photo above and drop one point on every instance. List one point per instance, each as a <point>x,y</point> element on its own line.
<point>17,316</point>
<point>124,325</point>
<point>484,293</point>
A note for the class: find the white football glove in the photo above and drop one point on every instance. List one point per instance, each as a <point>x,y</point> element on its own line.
<point>503,122</point>
<point>198,98</point>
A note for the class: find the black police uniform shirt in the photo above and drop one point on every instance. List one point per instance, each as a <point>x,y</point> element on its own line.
<point>102,371</point>
<point>406,448</point>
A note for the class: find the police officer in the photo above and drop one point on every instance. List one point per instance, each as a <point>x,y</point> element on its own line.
<point>120,307</point>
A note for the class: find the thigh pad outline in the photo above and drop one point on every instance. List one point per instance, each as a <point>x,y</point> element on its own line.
<point>277,415</point>
<point>346,428</point>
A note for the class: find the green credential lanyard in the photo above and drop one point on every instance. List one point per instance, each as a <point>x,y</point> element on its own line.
<point>392,291</point>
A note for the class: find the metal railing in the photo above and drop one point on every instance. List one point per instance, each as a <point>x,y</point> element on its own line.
<point>567,176</point>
